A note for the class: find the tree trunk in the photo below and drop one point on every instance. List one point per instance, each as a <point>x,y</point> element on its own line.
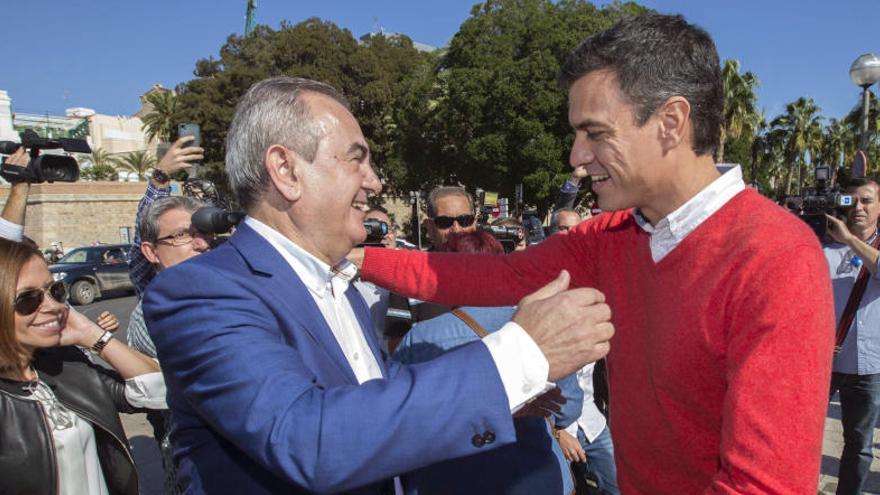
<point>720,157</point>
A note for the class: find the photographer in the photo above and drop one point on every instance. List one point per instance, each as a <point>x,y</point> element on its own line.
<point>852,259</point>
<point>177,158</point>
<point>12,218</point>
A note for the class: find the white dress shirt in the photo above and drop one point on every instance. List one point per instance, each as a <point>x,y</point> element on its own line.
<point>591,420</point>
<point>11,231</point>
<point>672,229</point>
<point>520,362</point>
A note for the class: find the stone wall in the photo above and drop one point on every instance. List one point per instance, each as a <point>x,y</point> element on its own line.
<point>78,214</point>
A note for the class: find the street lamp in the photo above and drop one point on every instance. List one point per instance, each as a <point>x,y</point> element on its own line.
<point>864,72</point>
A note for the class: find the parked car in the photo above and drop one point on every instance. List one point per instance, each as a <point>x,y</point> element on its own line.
<point>93,272</point>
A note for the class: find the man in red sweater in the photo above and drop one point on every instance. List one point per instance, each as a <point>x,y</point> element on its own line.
<point>719,369</point>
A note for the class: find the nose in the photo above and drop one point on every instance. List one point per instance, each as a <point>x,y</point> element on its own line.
<point>581,151</point>
<point>371,181</point>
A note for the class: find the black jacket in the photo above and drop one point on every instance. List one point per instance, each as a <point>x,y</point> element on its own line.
<point>27,451</point>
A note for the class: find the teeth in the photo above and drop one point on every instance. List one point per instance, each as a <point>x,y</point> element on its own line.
<point>364,207</point>
<point>599,177</point>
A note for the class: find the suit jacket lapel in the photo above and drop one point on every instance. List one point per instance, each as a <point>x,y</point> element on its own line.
<point>300,306</point>
<point>362,312</point>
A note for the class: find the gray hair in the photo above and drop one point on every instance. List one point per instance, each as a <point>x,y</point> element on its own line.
<point>443,191</point>
<point>271,112</point>
<point>554,220</point>
<point>148,224</point>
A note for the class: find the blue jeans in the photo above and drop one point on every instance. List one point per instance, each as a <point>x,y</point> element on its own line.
<point>600,461</point>
<point>859,406</point>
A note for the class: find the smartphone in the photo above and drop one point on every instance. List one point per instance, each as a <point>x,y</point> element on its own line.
<point>190,129</point>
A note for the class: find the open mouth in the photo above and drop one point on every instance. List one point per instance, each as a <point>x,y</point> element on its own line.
<point>597,178</point>
<point>49,327</point>
<point>360,205</point>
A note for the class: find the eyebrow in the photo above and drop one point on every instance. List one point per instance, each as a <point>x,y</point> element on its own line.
<point>583,124</point>
<point>358,148</point>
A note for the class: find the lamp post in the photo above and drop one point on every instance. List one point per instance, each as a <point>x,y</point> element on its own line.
<point>864,72</point>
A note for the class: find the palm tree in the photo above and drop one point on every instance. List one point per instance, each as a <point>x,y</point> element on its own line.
<point>801,126</point>
<point>102,158</point>
<point>159,122</point>
<point>739,103</point>
<point>837,143</point>
<point>138,162</point>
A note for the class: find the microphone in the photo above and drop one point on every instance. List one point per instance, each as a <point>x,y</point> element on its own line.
<point>212,220</point>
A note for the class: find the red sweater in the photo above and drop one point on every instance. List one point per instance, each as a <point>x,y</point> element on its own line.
<point>720,365</point>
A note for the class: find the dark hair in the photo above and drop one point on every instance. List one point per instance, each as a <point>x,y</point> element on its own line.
<point>862,181</point>
<point>442,192</point>
<point>475,242</point>
<point>655,57</point>
<point>13,256</point>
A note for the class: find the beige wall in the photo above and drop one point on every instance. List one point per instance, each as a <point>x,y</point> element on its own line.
<point>78,214</point>
<point>117,134</point>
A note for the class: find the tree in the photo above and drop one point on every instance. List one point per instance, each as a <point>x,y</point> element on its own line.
<point>138,162</point>
<point>837,143</point>
<point>802,131</point>
<point>500,115</point>
<point>159,122</point>
<point>100,172</point>
<point>740,113</point>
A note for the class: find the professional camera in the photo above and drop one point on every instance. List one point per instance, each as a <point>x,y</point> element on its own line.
<point>376,230</point>
<point>43,168</point>
<point>508,236</point>
<point>814,203</point>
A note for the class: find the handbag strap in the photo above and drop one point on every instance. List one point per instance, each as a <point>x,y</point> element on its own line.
<point>469,321</point>
<point>852,304</point>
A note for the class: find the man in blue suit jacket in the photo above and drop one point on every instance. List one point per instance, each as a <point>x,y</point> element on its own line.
<point>275,380</point>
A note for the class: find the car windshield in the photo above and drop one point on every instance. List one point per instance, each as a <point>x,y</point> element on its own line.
<point>75,256</point>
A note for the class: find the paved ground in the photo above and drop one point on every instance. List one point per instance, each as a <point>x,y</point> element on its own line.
<point>146,453</point>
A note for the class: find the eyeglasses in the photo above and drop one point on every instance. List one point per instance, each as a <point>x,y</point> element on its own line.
<point>445,222</point>
<point>30,300</point>
<point>181,238</point>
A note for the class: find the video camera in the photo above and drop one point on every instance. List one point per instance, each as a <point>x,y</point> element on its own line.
<point>43,168</point>
<point>814,203</point>
<point>508,236</point>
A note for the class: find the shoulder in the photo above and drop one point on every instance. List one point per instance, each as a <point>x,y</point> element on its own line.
<point>758,222</point>
<point>430,338</point>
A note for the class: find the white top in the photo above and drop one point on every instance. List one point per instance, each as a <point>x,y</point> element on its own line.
<point>522,366</point>
<point>11,231</point>
<point>591,420</point>
<point>672,229</point>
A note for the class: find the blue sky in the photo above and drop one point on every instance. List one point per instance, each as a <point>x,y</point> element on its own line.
<point>103,54</point>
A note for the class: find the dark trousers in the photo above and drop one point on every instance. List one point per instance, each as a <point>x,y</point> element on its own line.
<point>860,406</point>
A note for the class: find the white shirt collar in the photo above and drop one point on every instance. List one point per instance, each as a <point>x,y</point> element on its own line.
<point>673,228</point>
<point>314,273</point>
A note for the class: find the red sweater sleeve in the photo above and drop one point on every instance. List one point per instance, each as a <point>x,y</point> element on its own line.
<point>773,416</point>
<point>482,280</point>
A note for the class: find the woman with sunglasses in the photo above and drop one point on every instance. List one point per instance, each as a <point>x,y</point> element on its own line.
<point>59,424</point>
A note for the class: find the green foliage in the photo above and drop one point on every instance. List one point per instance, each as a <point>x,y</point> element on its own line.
<point>740,112</point>
<point>801,128</point>
<point>494,115</point>
<point>104,171</point>
<point>138,162</point>
<point>159,123</point>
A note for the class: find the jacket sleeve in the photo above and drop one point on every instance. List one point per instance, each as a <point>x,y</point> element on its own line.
<point>229,356</point>
<point>574,401</point>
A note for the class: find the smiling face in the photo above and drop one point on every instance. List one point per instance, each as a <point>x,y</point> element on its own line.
<point>41,328</point>
<point>333,188</point>
<point>620,156</point>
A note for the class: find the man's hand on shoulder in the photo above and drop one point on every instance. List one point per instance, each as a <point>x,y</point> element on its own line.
<point>571,327</point>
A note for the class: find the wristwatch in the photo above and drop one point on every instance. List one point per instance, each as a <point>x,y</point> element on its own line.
<point>160,176</point>
<point>99,346</point>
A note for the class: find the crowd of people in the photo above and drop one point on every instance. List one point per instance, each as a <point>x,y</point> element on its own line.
<point>294,359</point>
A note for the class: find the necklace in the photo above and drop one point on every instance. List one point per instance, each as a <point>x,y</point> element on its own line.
<point>60,418</point>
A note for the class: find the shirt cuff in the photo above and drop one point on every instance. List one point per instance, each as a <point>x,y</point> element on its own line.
<point>11,231</point>
<point>146,391</point>
<point>572,429</point>
<point>521,364</point>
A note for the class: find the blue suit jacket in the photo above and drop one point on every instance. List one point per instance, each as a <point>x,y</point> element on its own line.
<point>264,401</point>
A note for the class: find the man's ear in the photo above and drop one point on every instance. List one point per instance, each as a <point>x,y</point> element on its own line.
<point>149,252</point>
<point>284,167</point>
<point>674,117</point>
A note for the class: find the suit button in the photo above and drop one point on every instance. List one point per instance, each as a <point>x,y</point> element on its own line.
<point>478,441</point>
<point>488,437</point>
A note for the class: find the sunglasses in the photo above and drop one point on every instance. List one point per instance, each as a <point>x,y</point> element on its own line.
<point>30,300</point>
<point>446,222</point>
